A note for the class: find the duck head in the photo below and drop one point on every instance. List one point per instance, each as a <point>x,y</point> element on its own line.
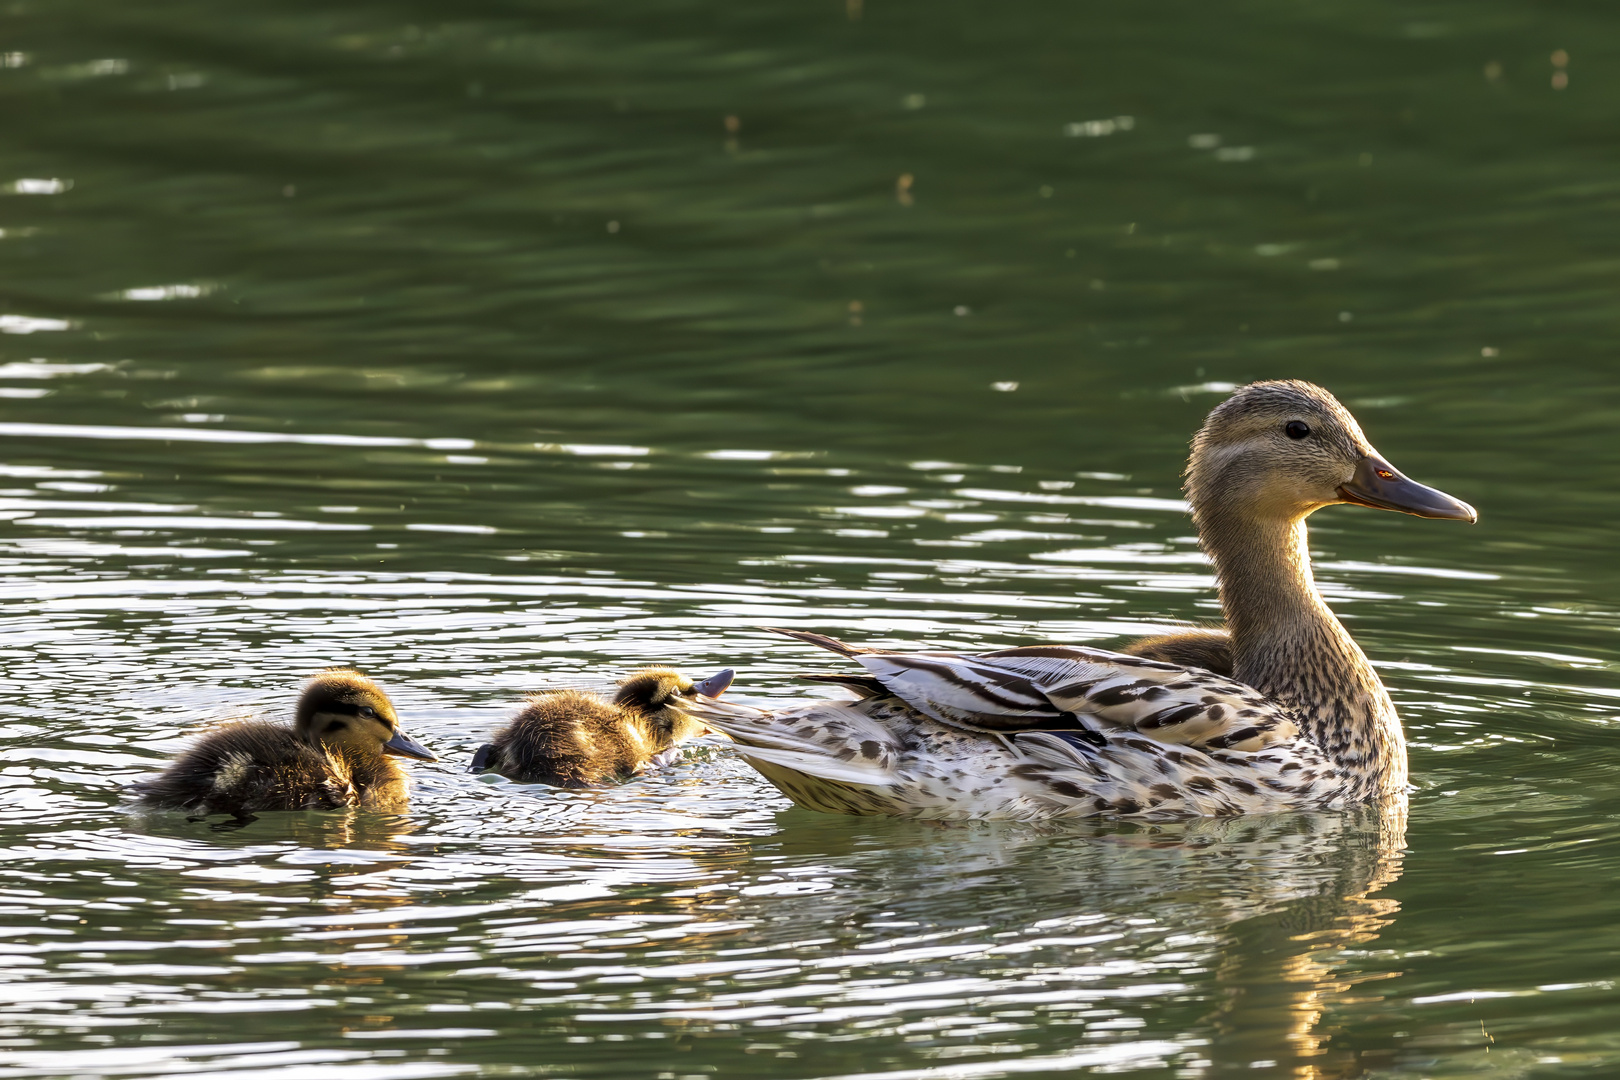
<point>1281,450</point>
<point>657,693</point>
<point>342,709</point>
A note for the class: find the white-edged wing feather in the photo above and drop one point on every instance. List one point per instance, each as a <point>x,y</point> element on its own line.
<point>964,691</point>
<point>1061,686</point>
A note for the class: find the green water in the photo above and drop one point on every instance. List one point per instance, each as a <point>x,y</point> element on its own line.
<point>473,347</point>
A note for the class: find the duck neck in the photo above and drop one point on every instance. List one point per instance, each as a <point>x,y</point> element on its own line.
<point>1268,593</point>
<point>1289,645</point>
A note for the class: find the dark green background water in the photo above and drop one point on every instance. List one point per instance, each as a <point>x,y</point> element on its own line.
<point>476,350</point>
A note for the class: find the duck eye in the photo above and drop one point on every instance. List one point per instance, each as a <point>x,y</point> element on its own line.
<point>367,712</point>
<point>1296,429</point>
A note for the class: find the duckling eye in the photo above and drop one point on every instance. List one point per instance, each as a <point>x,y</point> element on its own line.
<point>1296,429</point>
<point>367,712</point>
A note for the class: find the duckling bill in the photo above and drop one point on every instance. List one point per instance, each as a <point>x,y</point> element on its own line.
<point>337,753</point>
<point>571,738</point>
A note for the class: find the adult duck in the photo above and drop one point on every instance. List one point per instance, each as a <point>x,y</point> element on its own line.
<point>572,738</point>
<point>1292,717</point>
<point>338,752</point>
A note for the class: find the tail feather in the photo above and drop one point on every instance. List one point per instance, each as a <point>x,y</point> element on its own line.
<point>1053,749</point>
<point>751,735</point>
<point>773,739</point>
<point>750,727</point>
<point>822,640</point>
<point>820,766</point>
<point>864,685</point>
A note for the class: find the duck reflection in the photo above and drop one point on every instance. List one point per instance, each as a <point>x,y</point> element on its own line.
<point>1281,970</point>
<point>1226,935</point>
<point>313,829</point>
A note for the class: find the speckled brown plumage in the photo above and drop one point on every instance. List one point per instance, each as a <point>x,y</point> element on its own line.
<point>1208,649</point>
<point>1281,710</point>
<point>1286,643</point>
<point>571,738</point>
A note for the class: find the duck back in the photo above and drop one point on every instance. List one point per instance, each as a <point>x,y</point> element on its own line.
<point>569,738</point>
<point>252,766</point>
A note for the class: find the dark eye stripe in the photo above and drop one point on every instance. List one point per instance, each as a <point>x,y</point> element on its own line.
<point>344,708</point>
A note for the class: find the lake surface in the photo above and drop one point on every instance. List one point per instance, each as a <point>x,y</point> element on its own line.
<point>520,349</point>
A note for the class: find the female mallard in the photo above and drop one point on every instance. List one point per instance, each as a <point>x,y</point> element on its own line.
<point>570,738</point>
<point>335,754</point>
<point>1297,718</point>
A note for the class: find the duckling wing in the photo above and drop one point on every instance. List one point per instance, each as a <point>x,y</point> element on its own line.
<point>247,767</point>
<point>1054,687</point>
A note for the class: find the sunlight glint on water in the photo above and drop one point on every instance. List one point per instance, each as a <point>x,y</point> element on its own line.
<point>485,353</point>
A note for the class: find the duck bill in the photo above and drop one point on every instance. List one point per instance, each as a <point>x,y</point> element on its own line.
<point>714,685</point>
<point>1379,484</point>
<point>405,746</point>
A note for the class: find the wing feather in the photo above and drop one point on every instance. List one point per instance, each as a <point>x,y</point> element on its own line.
<point>958,690</point>
<point>862,685</point>
<point>1053,686</point>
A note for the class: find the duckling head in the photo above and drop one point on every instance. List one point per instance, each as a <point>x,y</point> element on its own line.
<point>342,709</point>
<point>657,693</point>
<point>1281,450</point>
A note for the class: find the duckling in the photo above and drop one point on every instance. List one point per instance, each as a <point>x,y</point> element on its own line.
<point>334,755</point>
<point>570,738</point>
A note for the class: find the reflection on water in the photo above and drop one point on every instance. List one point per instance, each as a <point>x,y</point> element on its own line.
<point>620,923</point>
<point>521,347</point>
<point>1281,972</point>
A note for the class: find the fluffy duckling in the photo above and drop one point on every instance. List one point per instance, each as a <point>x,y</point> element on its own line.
<point>570,738</point>
<point>335,755</point>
